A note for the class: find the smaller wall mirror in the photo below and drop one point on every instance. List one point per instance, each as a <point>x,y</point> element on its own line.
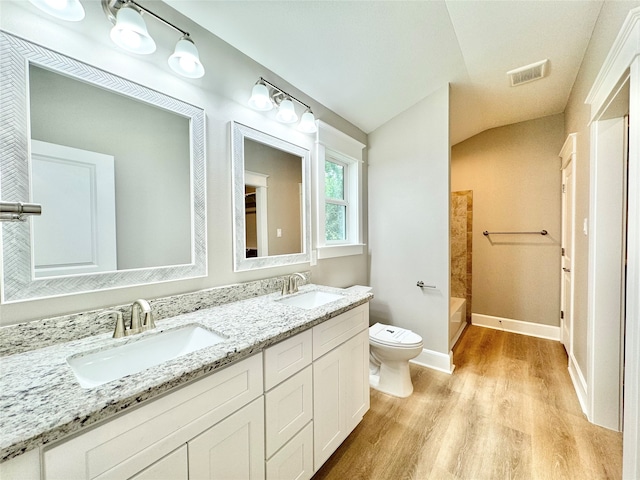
<point>271,200</point>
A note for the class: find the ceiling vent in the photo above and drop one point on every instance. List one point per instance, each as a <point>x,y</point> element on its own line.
<point>528,73</point>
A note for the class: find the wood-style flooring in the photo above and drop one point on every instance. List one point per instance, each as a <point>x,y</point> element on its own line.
<point>508,411</point>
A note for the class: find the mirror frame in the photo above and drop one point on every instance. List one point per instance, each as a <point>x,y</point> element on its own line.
<point>18,283</point>
<point>238,134</point>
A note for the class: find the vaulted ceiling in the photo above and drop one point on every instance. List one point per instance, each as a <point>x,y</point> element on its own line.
<point>370,60</point>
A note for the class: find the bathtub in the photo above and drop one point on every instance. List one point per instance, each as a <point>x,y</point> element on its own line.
<point>457,319</point>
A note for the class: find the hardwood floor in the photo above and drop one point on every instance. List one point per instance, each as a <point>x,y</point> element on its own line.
<point>509,411</point>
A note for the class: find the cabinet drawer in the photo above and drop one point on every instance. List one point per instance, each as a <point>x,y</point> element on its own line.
<point>294,461</point>
<point>134,440</point>
<point>330,334</point>
<point>286,358</point>
<point>288,407</point>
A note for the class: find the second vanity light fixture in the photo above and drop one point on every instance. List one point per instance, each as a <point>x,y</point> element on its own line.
<point>264,99</point>
<point>130,33</point>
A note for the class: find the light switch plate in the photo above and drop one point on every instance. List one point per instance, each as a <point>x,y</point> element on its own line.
<point>585,226</point>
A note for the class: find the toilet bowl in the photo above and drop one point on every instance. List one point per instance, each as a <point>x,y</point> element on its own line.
<point>390,350</point>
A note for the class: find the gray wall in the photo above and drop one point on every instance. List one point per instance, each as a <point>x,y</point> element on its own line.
<point>223,93</point>
<point>514,172</point>
<point>409,220</point>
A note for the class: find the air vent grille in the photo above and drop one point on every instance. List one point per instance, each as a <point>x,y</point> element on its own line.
<point>528,73</point>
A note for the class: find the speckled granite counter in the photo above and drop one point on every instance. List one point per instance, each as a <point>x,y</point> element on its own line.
<point>41,400</point>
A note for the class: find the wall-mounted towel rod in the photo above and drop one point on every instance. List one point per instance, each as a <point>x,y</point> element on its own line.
<point>16,211</point>
<point>541,232</point>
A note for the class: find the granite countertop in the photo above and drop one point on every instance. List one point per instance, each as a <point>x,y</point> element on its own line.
<point>41,400</point>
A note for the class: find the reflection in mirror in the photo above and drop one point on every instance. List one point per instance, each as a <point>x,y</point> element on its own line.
<point>271,200</point>
<point>143,156</point>
<point>281,229</point>
<point>118,168</point>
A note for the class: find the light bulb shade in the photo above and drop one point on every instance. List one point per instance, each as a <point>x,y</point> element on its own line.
<point>70,10</point>
<point>286,112</point>
<point>185,60</point>
<point>260,99</point>
<point>308,123</point>
<point>130,32</point>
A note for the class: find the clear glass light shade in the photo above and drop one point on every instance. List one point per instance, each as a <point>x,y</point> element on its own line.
<point>308,123</point>
<point>130,32</point>
<point>70,10</point>
<point>185,60</point>
<point>260,99</point>
<point>286,112</point>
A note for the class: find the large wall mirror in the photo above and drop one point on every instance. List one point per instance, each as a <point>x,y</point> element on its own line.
<point>119,170</point>
<point>272,207</point>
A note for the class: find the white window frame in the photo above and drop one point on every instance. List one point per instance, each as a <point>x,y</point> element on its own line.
<point>336,147</point>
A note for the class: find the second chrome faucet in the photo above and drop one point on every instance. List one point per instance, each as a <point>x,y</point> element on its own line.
<point>290,283</point>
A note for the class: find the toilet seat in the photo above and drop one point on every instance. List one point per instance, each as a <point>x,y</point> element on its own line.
<point>392,336</point>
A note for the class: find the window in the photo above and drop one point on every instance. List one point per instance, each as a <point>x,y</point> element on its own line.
<point>335,202</point>
<point>339,231</point>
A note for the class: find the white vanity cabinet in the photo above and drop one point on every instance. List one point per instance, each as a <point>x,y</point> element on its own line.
<point>289,409</point>
<point>322,396</point>
<point>155,436</point>
<point>278,414</point>
<point>340,379</point>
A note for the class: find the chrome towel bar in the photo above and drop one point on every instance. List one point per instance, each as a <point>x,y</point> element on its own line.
<point>16,211</point>
<point>541,232</point>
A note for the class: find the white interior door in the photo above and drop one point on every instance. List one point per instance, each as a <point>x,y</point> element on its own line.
<point>568,223</point>
<point>76,232</point>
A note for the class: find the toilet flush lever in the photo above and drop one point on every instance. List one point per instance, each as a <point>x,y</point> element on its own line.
<point>422,285</point>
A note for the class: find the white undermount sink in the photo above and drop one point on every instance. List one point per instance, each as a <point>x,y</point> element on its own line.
<point>311,299</point>
<point>97,368</point>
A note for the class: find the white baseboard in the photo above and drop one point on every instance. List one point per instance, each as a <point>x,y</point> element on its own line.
<point>579,384</point>
<point>435,360</point>
<point>516,326</point>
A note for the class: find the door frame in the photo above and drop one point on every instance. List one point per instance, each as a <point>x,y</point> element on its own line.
<point>623,59</point>
<point>568,160</point>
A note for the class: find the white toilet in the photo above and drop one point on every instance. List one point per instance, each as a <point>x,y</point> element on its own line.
<point>390,350</point>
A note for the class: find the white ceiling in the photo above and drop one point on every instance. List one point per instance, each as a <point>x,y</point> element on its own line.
<point>370,60</point>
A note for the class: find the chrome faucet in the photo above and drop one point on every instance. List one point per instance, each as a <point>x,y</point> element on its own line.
<point>138,324</point>
<point>290,283</point>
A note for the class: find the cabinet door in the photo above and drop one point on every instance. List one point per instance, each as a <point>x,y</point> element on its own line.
<point>328,406</point>
<point>172,467</point>
<point>356,377</point>
<point>294,461</point>
<point>233,449</point>
<point>340,394</point>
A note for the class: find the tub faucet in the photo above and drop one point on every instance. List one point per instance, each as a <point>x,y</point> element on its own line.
<point>141,307</point>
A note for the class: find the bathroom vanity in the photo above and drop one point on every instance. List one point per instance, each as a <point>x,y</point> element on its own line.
<point>274,400</point>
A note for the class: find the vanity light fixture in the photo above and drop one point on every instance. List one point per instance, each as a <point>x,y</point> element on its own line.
<point>130,32</point>
<point>70,10</point>
<point>265,95</point>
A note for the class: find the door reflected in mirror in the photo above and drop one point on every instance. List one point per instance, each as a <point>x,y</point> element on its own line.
<point>273,200</point>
